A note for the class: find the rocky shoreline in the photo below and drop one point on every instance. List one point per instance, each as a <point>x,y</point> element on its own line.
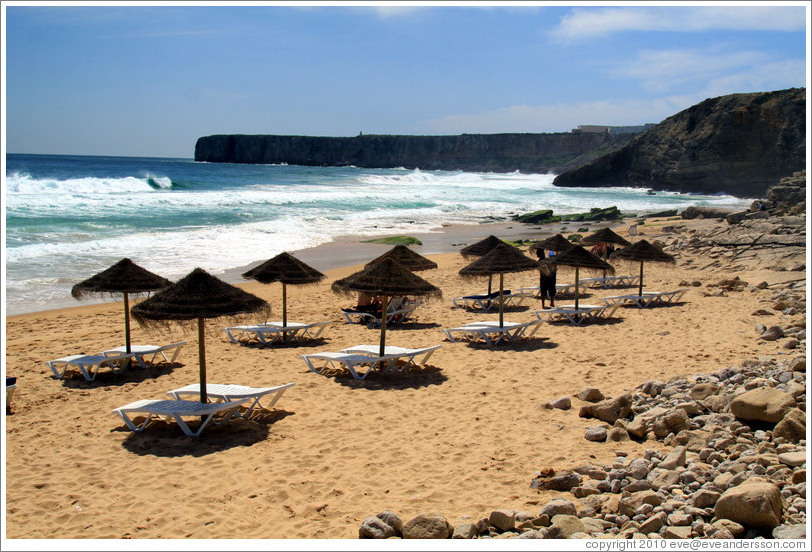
<point>730,456</point>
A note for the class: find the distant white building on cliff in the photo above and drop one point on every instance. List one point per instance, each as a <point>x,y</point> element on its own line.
<point>603,129</point>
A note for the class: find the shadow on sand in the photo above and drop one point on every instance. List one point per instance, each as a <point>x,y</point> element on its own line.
<point>167,440</point>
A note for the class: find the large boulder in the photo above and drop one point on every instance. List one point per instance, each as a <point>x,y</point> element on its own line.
<point>755,503</point>
<point>765,404</point>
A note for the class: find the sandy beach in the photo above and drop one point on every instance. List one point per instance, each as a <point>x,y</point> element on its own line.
<point>463,436</point>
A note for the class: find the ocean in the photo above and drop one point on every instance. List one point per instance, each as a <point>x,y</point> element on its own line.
<point>70,217</point>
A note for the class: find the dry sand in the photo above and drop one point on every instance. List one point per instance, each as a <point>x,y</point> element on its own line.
<point>461,437</point>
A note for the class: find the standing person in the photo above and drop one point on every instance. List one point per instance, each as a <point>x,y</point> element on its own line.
<point>547,277</point>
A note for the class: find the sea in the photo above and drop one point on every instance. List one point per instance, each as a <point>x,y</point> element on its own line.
<point>69,217</point>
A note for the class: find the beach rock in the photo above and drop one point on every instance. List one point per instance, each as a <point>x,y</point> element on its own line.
<point>427,526</point>
<point>504,520</point>
<point>393,520</point>
<point>465,530</point>
<point>610,410</point>
<point>590,394</point>
<point>793,459</point>
<point>597,434</point>
<point>675,459</point>
<point>617,434</point>
<point>705,498</point>
<point>561,403</point>
<point>374,527</point>
<point>772,333</point>
<point>563,526</point>
<point>677,532</point>
<point>563,481</point>
<point>628,505</point>
<point>763,404</point>
<point>557,507</point>
<point>792,426</point>
<point>702,391</point>
<point>797,531</point>
<point>736,530</point>
<point>755,503</point>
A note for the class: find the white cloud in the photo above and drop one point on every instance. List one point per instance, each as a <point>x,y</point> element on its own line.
<point>594,23</point>
<point>712,73</point>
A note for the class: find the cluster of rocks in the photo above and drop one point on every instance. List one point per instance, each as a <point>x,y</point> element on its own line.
<point>737,468</point>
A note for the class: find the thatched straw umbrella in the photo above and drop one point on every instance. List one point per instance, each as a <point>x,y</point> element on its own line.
<point>125,277</point>
<point>643,251</point>
<point>604,235</point>
<point>556,243</point>
<point>407,258</point>
<point>579,258</point>
<point>480,248</point>
<point>502,259</point>
<point>198,296</point>
<point>387,279</point>
<point>287,269</point>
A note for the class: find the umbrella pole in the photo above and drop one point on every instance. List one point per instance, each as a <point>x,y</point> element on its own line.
<point>201,354</point>
<point>576,288</point>
<point>127,322</point>
<point>384,308</point>
<point>490,283</point>
<point>640,291</point>
<point>284,311</point>
<point>501,302</point>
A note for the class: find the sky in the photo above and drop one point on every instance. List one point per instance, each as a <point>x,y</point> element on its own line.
<point>149,79</point>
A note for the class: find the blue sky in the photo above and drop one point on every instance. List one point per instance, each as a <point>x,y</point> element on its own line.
<point>149,79</point>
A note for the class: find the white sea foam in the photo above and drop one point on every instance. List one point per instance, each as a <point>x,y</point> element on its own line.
<point>65,230</point>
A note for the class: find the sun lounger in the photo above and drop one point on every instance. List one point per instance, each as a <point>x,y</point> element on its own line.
<point>611,281</point>
<point>560,289</point>
<point>351,361</point>
<point>400,352</point>
<point>89,365</point>
<point>168,410</point>
<point>139,352</point>
<point>490,301</point>
<point>269,333</point>
<point>491,333</point>
<point>647,299</point>
<point>397,315</point>
<point>218,392</point>
<point>579,316</point>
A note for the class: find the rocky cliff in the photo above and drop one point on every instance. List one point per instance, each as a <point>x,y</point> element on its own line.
<point>530,153</point>
<point>739,144</point>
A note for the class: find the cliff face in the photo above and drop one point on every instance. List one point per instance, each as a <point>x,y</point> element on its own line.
<point>530,153</point>
<point>740,144</point>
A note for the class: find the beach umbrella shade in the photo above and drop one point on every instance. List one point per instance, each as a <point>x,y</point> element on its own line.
<point>198,296</point>
<point>642,252</point>
<point>578,258</point>
<point>287,269</point>
<point>407,258</point>
<point>502,259</point>
<point>386,279</point>
<point>480,248</point>
<point>604,235</point>
<point>123,278</point>
<point>553,243</point>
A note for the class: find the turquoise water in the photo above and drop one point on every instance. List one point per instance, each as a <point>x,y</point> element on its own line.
<point>69,217</point>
